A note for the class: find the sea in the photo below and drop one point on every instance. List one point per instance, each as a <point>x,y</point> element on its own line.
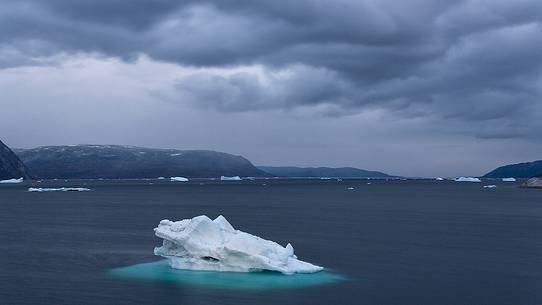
<point>381,242</point>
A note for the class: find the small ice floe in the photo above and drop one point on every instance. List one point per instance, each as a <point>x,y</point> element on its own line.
<point>62,189</point>
<point>176,155</point>
<point>509,179</point>
<point>349,188</point>
<point>233,178</point>
<point>161,178</point>
<point>178,179</point>
<point>200,243</point>
<point>467,179</point>
<point>325,178</point>
<point>368,183</point>
<point>19,180</point>
<point>491,186</point>
<point>439,179</point>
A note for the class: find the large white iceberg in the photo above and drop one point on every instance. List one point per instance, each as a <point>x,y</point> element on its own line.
<point>19,180</point>
<point>214,245</point>
<point>467,179</point>
<point>178,179</point>
<point>509,179</point>
<point>234,178</point>
<point>62,189</point>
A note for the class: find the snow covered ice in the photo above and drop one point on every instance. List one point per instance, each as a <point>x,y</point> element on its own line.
<point>19,180</point>
<point>62,189</point>
<point>509,179</point>
<point>178,179</point>
<point>234,178</point>
<point>200,243</point>
<point>467,179</point>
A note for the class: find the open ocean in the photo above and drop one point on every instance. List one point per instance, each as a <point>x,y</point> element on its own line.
<point>388,242</point>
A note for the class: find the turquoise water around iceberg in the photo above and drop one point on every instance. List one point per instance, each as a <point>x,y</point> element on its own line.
<point>161,271</point>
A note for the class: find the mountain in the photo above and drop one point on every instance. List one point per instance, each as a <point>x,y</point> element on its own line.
<point>10,165</point>
<point>535,182</point>
<point>292,171</point>
<point>520,170</point>
<point>124,162</point>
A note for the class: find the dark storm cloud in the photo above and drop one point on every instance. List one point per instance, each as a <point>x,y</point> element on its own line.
<point>474,63</point>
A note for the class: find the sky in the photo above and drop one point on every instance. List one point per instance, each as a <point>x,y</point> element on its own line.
<point>415,88</point>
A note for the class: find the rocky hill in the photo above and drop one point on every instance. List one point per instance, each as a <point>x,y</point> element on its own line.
<point>520,170</point>
<point>10,165</point>
<point>123,162</point>
<point>535,182</point>
<point>344,172</point>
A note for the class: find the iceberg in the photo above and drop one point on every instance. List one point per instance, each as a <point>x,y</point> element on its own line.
<point>439,179</point>
<point>200,243</point>
<point>234,178</point>
<point>491,186</point>
<point>509,179</point>
<point>19,180</point>
<point>178,179</point>
<point>62,189</point>
<point>467,179</point>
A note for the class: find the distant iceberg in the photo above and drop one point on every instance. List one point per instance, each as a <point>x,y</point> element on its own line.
<point>200,243</point>
<point>467,179</point>
<point>439,179</point>
<point>62,189</point>
<point>19,180</point>
<point>491,186</point>
<point>509,179</point>
<point>234,178</point>
<point>179,179</point>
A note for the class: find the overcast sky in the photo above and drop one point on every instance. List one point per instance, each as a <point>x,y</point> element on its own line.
<point>417,88</point>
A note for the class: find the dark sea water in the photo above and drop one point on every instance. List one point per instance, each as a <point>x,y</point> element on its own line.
<point>390,242</point>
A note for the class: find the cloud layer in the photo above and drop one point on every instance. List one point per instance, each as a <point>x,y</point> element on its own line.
<point>468,68</point>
